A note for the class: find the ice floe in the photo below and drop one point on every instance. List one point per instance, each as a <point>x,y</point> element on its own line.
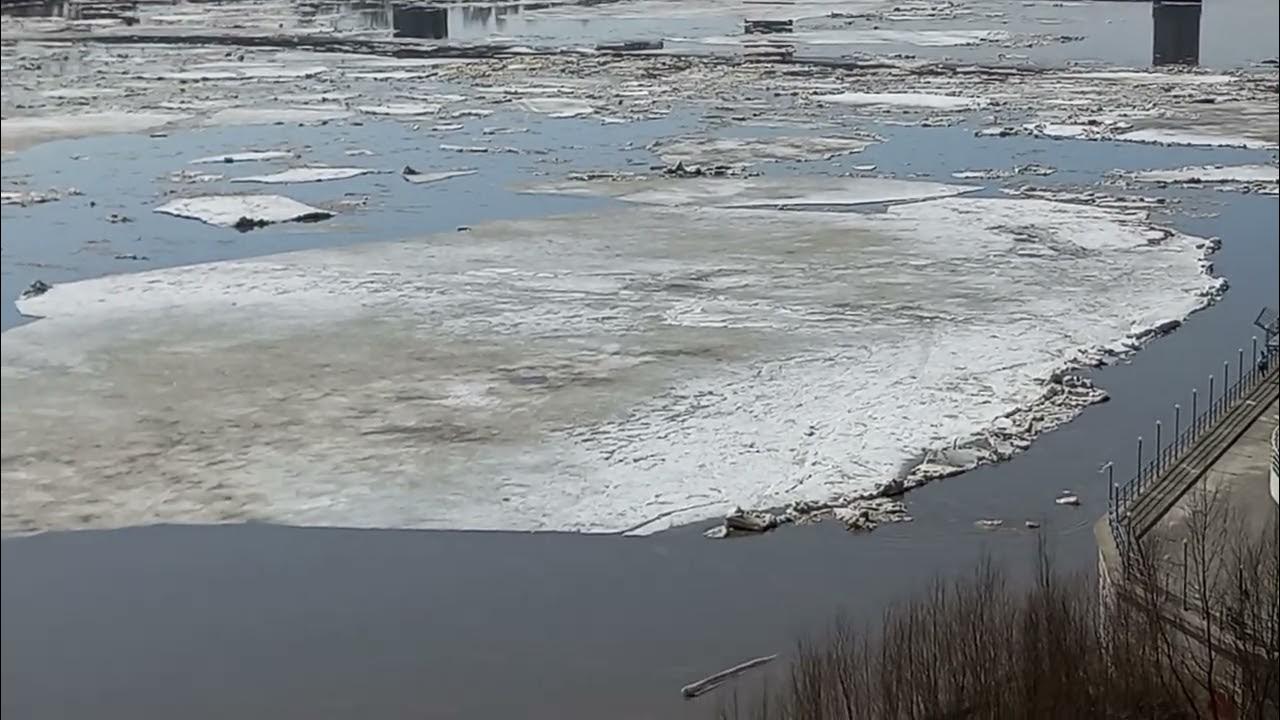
<point>759,192</point>
<point>906,100</point>
<point>556,107</point>
<point>1206,174</point>
<point>306,174</point>
<point>425,178</point>
<point>747,151</point>
<point>610,372</point>
<point>22,131</point>
<point>242,211</point>
<point>245,156</point>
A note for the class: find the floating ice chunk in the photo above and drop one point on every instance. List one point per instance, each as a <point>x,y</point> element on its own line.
<point>1175,136</point>
<point>245,156</point>
<point>270,116</point>
<point>1209,174</point>
<point>77,93</point>
<point>746,151</point>
<point>557,107</point>
<point>305,175</point>
<point>910,101</point>
<point>22,131</point>
<point>400,109</point>
<point>243,210</point>
<point>919,38</point>
<point>762,192</point>
<point>1150,77</point>
<point>434,177</point>
<point>227,71</point>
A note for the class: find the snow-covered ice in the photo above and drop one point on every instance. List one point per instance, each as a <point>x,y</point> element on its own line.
<point>230,210</point>
<point>426,178</point>
<point>20,132</point>
<point>607,372</point>
<point>305,175</point>
<point>556,107</point>
<point>244,156</point>
<point>400,109</point>
<point>746,151</point>
<point>1176,136</point>
<point>907,100</point>
<point>1210,174</point>
<point>759,192</point>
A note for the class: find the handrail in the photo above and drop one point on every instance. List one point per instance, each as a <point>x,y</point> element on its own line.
<point>1275,463</point>
<point>1123,497</point>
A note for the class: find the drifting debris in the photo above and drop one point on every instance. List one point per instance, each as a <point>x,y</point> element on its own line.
<point>36,289</point>
<point>1031,524</point>
<point>710,682</point>
<point>116,218</point>
<point>1067,499</point>
<point>989,524</point>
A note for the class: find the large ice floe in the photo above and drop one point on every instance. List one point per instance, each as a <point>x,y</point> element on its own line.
<point>700,150</point>
<point>759,192</point>
<point>612,372</point>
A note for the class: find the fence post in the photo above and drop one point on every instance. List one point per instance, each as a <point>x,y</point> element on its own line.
<point>1139,463</point>
<point>1240,369</point>
<point>1254,357</point>
<point>1209,411</point>
<point>1177,424</point>
<point>1226,384</point>
<point>1159,449</point>
<point>1195,419</point>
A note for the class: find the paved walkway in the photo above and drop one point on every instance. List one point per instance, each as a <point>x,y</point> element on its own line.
<point>1240,478</point>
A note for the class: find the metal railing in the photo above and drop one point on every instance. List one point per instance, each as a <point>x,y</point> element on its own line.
<point>1225,391</point>
<point>1275,463</point>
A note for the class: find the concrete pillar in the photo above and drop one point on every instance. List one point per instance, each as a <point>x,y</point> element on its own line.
<point>420,21</point>
<point>1176,32</point>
